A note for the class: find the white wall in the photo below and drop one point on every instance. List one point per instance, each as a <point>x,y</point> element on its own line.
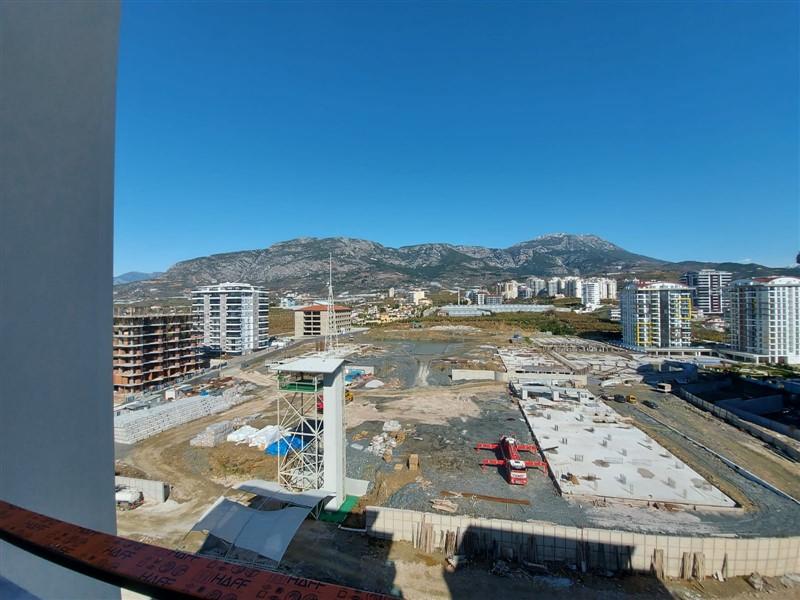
<point>57,94</point>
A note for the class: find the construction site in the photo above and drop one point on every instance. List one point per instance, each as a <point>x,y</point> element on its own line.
<point>468,462</point>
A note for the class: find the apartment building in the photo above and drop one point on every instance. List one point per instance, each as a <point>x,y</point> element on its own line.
<point>608,288</point>
<point>233,317</point>
<point>708,289</point>
<point>764,319</point>
<point>313,320</point>
<point>509,290</point>
<point>536,285</point>
<point>153,348</point>
<point>572,287</point>
<point>554,286</point>
<point>590,294</point>
<point>416,296</point>
<point>656,315</point>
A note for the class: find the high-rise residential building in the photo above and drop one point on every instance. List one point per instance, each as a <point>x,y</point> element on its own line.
<point>314,320</point>
<point>573,287</point>
<point>608,288</point>
<point>764,319</point>
<point>233,317</point>
<point>656,315</point>
<point>153,348</point>
<point>554,286</point>
<point>510,290</point>
<point>536,285</point>
<point>415,296</point>
<point>590,294</point>
<point>708,293</point>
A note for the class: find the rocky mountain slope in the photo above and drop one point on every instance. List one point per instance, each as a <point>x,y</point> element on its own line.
<point>361,265</point>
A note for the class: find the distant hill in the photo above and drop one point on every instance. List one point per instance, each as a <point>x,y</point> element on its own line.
<point>134,276</point>
<point>362,265</point>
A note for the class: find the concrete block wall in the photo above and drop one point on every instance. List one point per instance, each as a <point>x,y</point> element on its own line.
<point>472,375</point>
<point>155,491</point>
<point>606,549</point>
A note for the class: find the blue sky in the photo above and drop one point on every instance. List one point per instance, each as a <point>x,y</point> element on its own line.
<point>669,128</point>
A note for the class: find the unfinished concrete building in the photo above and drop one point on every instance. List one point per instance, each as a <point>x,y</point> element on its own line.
<point>153,348</point>
<point>310,321</point>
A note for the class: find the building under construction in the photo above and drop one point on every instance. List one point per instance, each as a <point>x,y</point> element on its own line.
<point>153,348</point>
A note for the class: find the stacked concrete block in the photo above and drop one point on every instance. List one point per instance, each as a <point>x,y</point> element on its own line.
<point>212,435</point>
<point>135,426</point>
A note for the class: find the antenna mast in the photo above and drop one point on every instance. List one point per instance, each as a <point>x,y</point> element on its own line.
<point>331,334</point>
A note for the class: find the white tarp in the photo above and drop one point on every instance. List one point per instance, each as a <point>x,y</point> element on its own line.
<point>270,489</point>
<point>267,533</point>
<point>242,434</point>
<point>264,437</point>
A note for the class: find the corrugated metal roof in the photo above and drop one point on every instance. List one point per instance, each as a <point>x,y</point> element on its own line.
<point>311,364</point>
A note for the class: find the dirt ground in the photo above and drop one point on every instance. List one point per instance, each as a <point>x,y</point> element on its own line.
<point>398,568</point>
<point>197,476</point>
<point>433,405</point>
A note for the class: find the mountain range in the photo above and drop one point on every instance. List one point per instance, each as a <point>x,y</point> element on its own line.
<point>132,276</point>
<point>361,265</point>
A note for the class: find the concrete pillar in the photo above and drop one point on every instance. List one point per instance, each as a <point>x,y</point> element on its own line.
<point>58,65</point>
<point>333,436</point>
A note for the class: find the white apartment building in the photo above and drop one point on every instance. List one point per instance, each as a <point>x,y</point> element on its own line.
<point>510,290</point>
<point>764,319</point>
<point>608,288</point>
<point>536,285</point>
<point>709,286</point>
<point>415,296</point>
<point>656,315</point>
<point>554,286</point>
<point>234,317</point>
<point>573,287</point>
<point>590,294</point>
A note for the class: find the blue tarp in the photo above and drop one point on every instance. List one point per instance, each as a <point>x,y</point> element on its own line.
<point>281,447</point>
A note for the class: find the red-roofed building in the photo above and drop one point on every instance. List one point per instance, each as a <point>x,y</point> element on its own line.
<point>310,321</point>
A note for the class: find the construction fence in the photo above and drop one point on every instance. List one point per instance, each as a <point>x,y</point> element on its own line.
<point>587,548</point>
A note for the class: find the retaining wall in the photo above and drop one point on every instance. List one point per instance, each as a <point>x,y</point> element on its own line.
<point>475,375</point>
<point>156,491</point>
<point>737,419</point>
<point>603,549</point>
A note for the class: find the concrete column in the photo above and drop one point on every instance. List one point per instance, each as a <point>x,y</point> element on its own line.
<point>58,64</point>
<point>333,436</point>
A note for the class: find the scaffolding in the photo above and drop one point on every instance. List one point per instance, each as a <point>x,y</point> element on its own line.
<point>299,406</point>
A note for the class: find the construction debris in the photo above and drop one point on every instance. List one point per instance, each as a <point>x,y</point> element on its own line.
<point>413,462</point>
<point>756,581</point>
<point>444,505</point>
<point>448,493</point>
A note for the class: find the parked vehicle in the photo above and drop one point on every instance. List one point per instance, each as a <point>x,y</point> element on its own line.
<point>650,404</point>
<point>664,387</point>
